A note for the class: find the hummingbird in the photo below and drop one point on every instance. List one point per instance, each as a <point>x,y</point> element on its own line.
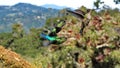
<point>53,39</point>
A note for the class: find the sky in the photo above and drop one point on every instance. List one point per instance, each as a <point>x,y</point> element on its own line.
<point>68,3</point>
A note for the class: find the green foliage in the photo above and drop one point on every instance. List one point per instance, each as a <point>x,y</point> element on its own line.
<point>5,38</point>
<point>117,1</point>
<point>17,30</point>
<point>18,41</point>
<point>51,21</point>
<point>115,55</point>
<point>97,3</point>
<point>28,46</point>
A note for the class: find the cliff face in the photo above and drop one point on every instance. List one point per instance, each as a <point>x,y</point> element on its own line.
<point>10,59</point>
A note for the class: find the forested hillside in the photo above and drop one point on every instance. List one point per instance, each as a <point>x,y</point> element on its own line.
<point>26,14</point>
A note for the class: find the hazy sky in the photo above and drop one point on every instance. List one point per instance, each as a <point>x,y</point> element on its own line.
<point>68,3</point>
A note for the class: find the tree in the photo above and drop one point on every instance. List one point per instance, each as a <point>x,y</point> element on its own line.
<point>117,1</point>
<point>17,30</point>
<point>97,3</point>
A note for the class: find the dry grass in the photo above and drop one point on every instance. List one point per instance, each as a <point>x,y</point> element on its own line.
<point>9,59</point>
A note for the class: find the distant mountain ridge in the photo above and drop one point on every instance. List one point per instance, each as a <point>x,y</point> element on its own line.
<point>27,14</point>
<point>54,6</point>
